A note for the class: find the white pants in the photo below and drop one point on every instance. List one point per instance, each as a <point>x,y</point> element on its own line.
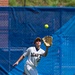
<point>29,70</point>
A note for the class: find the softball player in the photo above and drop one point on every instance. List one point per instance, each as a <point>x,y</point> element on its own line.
<point>34,54</point>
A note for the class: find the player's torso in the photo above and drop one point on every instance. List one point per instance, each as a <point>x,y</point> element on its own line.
<point>32,58</point>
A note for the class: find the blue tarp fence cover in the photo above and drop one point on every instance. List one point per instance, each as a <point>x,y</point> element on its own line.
<point>19,26</point>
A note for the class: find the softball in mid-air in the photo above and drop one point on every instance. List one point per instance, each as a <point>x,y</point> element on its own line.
<point>46,26</point>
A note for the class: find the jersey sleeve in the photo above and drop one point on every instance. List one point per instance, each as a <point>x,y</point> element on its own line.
<point>42,51</point>
<point>26,53</point>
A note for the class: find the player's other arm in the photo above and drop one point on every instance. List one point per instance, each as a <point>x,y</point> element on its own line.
<point>16,63</point>
<point>21,57</point>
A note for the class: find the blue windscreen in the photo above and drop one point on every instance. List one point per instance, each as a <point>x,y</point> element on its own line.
<point>19,26</point>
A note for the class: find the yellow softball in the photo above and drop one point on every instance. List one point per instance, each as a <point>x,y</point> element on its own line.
<point>46,26</point>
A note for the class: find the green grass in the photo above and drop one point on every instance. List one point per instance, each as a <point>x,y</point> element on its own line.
<point>42,3</point>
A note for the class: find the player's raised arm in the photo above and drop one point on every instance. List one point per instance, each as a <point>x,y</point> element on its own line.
<point>47,42</point>
<point>46,52</point>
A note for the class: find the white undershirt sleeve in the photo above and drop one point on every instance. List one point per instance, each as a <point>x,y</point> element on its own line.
<point>26,53</point>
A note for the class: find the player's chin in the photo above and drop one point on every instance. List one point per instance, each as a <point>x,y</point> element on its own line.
<point>39,44</point>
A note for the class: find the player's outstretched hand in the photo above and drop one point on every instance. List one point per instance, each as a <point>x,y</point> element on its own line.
<point>15,63</point>
<point>47,41</point>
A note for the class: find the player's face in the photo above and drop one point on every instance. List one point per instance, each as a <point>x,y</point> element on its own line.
<point>38,43</point>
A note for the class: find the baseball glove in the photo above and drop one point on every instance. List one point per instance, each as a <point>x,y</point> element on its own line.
<point>47,40</point>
